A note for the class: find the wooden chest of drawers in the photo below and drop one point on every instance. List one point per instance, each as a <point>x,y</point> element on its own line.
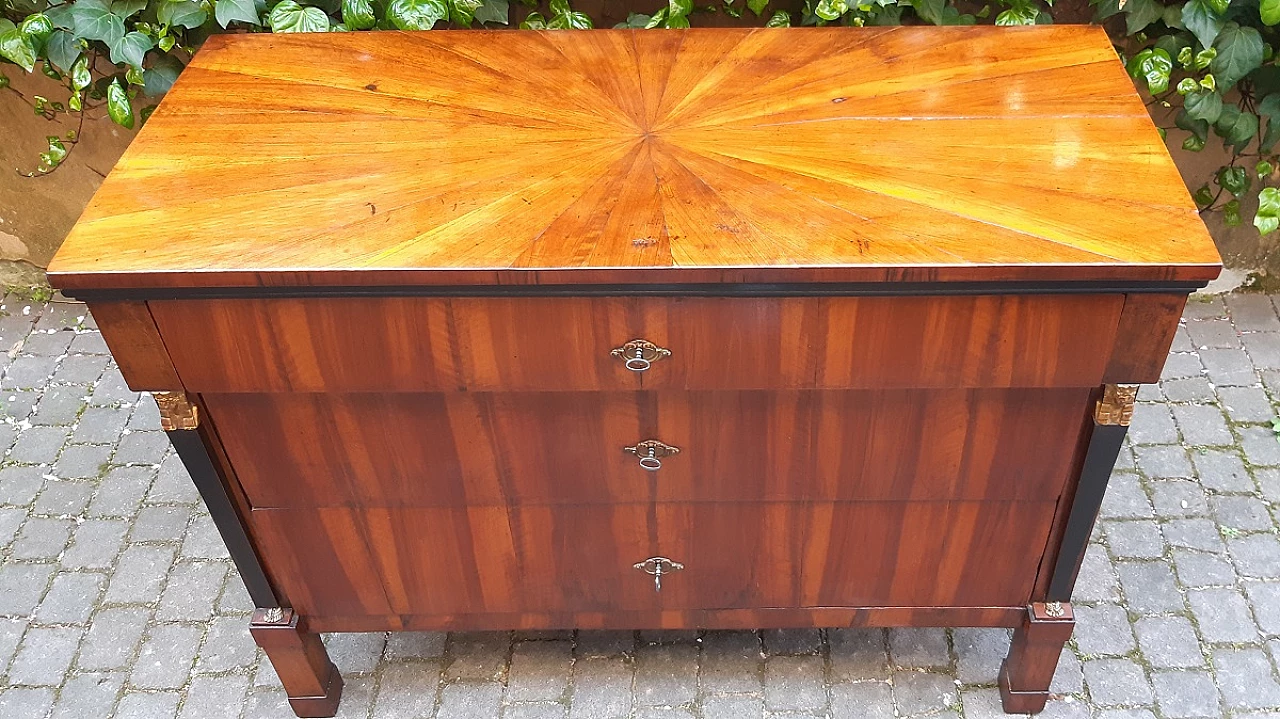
<point>822,327</point>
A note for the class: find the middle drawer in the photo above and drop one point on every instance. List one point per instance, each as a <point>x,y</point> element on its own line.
<point>479,449</point>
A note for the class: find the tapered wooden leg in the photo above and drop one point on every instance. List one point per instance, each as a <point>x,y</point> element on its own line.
<point>1033,656</point>
<point>310,679</point>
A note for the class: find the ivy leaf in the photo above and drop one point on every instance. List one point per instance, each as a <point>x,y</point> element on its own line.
<point>227,11</point>
<point>118,106</point>
<point>38,27</point>
<point>1231,213</point>
<point>463,12</point>
<point>131,48</point>
<point>831,9</point>
<point>1204,105</point>
<point>1270,11</point>
<point>757,6</point>
<point>1268,218</point>
<point>289,16</point>
<point>1263,169</point>
<point>1203,196</point>
<point>1193,143</point>
<point>1240,52</point>
<point>161,75</point>
<point>1153,64</point>
<point>16,47</point>
<point>1202,20</point>
<point>634,21</point>
<point>358,14</point>
<point>62,49</point>
<point>125,8</point>
<point>416,14</point>
<point>60,16</point>
<point>781,18</point>
<point>535,21</point>
<point>929,10</point>
<point>181,13</point>
<point>498,11</point>
<point>681,8</point>
<point>579,21</point>
<point>1236,126</point>
<point>80,76</point>
<point>1141,13</point>
<point>94,21</point>
<point>1234,180</point>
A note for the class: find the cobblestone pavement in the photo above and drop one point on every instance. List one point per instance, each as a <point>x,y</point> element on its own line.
<point>117,597</point>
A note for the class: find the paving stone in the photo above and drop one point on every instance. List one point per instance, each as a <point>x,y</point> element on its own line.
<point>95,544</point>
<point>1246,678</point>
<point>215,697</point>
<point>1161,461</point>
<point>1268,483</point>
<point>81,369</point>
<point>20,485</point>
<point>858,654</point>
<point>234,598</point>
<point>1222,615</point>
<point>1263,348</point>
<point>919,647</point>
<point>1125,498</point>
<point>1182,365</point>
<point>1204,306</point>
<point>25,702</point>
<point>601,688</point>
<point>38,445</point>
<point>1178,498</point>
<point>1222,471</point>
<point>1252,312</point>
<point>82,461</point>
<point>1216,332</point>
<point>140,574</point>
<point>1202,424</point>
<point>668,713</point>
<point>1126,714</point>
<point>1149,587</point>
<point>667,675</point>
<point>11,519</point>
<point>1134,539</point>
<point>173,485</point>
<point>1260,446</point>
<point>44,656</point>
<point>11,631</point>
<point>120,493</point>
<point>1255,555</point>
<point>1069,677</point>
<point>732,662</point>
<point>1152,424</point>
<point>147,705</point>
<point>61,405</point>
<point>918,693</point>
<point>21,586</point>
<point>1187,389</point>
<point>71,598</point>
<point>1114,682</point>
<point>476,656</point>
<point>141,448</point>
<point>1242,512</point>
<point>89,343</point>
<point>1246,404</point>
<point>18,405</point>
<point>88,695</point>
<point>1103,630</point>
<point>1264,597</point>
<point>467,700</point>
<point>29,372</point>
<point>165,523</point>
<point>739,707</point>
<point>61,497</point>
<point>979,653</point>
<point>111,390</point>
<point>1169,642</point>
<point>1201,534</point>
<point>42,538</point>
<point>415,645</point>
<point>667,636</point>
<point>112,637</point>
<point>227,646</point>
<point>1226,367</point>
<point>202,540</point>
<point>539,671</point>
<point>1184,694</point>
<point>792,641</point>
<point>100,425</point>
<point>146,415</point>
<point>166,658</point>
<point>865,700</point>
<point>358,653</point>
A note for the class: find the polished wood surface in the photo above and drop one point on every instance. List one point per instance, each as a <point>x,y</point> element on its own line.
<point>618,156</point>
<point>136,345</point>
<point>480,449</point>
<point>579,559</point>
<point>564,343</point>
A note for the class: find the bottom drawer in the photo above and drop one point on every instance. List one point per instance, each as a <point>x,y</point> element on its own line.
<point>338,562</point>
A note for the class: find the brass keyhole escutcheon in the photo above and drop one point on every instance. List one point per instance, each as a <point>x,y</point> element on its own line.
<point>639,355</point>
<point>651,452</point>
<point>658,566</point>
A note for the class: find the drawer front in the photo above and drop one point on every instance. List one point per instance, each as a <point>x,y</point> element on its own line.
<point>337,562</point>
<point>460,449</point>
<point>405,344</point>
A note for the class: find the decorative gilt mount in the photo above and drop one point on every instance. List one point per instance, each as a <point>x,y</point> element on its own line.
<point>177,411</point>
<point>1116,405</point>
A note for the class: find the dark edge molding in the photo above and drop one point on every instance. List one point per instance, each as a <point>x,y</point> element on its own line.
<point>889,289</point>
<point>195,456</point>
<point>1100,458</point>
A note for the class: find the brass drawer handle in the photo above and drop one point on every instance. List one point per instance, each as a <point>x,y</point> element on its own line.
<point>651,452</point>
<point>639,355</point>
<point>658,566</point>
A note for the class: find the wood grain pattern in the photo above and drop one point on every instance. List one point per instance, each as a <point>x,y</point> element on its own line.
<point>135,344</point>
<point>486,343</point>
<point>1148,323</point>
<point>478,449</point>
<point>787,155</point>
<point>578,559</point>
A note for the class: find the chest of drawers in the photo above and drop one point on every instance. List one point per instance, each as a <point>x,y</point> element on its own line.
<point>666,329</point>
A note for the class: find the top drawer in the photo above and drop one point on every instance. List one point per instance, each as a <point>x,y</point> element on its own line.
<point>565,343</point>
